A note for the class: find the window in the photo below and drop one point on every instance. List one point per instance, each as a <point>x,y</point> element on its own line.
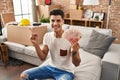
<point>22,9</point>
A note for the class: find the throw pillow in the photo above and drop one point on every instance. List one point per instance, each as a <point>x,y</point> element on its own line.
<point>98,43</point>
<point>86,32</point>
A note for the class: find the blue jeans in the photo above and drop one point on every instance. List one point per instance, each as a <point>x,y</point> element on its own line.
<point>47,72</point>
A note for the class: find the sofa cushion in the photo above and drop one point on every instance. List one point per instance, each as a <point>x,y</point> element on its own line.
<point>90,67</point>
<point>86,32</point>
<point>30,50</point>
<point>2,39</point>
<point>15,47</point>
<point>110,71</point>
<point>4,32</point>
<point>98,43</point>
<point>65,26</point>
<point>113,54</point>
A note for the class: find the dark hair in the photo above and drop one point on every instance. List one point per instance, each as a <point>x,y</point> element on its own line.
<point>57,12</point>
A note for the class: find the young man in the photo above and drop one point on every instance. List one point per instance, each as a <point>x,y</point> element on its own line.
<point>63,60</point>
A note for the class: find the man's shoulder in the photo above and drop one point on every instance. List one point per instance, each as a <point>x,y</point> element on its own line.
<point>49,34</point>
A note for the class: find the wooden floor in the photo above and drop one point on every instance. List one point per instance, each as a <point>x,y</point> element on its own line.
<point>12,72</point>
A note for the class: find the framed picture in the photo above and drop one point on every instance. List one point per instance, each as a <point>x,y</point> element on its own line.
<point>88,14</point>
<point>98,16</point>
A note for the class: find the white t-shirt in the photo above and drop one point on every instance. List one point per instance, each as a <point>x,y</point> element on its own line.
<point>56,46</point>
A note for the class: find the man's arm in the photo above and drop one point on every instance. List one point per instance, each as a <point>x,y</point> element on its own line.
<point>42,53</point>
<point>75,54</point>
<point>76,58</point>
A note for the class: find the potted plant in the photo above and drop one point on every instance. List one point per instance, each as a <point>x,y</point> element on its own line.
<point>96,17</point>
<point>44,20</point>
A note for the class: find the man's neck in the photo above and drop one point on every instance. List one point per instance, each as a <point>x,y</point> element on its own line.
<point>58,34</point>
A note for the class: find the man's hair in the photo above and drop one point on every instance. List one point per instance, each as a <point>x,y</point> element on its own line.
<point>57,12</point>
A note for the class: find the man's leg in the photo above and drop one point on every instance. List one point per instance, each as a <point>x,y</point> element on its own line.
<point>61,74</point>
<point>36,73</point>
<point>64,77</point>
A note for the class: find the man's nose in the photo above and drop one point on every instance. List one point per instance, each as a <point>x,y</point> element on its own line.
<point>55,23</point>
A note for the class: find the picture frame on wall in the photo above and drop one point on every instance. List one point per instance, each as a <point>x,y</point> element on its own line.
<point>98,16</point>
<point>88,14</point>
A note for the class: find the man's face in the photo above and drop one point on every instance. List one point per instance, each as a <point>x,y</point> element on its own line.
<point>56,22</point>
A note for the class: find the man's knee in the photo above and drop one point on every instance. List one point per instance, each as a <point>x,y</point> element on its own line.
<point>23,75</point>
<point>65,77</point>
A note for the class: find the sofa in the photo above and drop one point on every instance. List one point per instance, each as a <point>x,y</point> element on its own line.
<point>92,66</point>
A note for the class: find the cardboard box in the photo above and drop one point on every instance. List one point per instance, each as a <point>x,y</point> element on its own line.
<point>72,1</point>
<point>45,9</point>
<point>66,15</point>
<point>73,6</point>
<point>75,2</point>
<point>76,14</point>
<point>22,34</point>
<point>40,2</point>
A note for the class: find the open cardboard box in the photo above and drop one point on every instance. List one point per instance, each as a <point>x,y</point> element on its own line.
<point>21,34</point>
<point>76,14</point>
<point>45,9</point>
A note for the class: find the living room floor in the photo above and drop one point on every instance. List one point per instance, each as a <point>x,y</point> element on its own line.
<point>13,69</point>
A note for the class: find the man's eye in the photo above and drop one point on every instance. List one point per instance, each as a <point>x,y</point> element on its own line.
<point>53,20</point>
<point>58,20</point>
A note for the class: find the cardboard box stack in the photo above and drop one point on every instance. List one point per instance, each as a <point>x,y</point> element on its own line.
<point>75,13</point>
<point>21,34</point>
<point>45,9</point>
